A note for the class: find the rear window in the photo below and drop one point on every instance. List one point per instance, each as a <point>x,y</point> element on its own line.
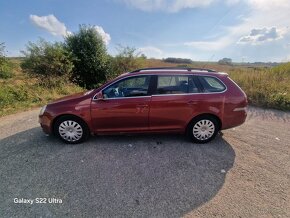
<point>211,84</point>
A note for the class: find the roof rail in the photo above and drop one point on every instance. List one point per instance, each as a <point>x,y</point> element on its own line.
<point>173,68</point>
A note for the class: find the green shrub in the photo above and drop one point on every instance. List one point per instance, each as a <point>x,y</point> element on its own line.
<point>5,74</point>
<point>5,66</point>
<point>47,60</point>
<point>126,60</point>
<point>90,58</point>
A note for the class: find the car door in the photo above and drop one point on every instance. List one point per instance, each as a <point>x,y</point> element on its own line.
<point>173,102</point>
<point>124,106</point>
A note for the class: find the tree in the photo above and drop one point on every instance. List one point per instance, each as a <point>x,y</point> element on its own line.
<point>5,66</point>
<point>225,61</point>
<point>90,59</point>
<point>178,60</point>
<point>47,59</point>
<point>126,60</point>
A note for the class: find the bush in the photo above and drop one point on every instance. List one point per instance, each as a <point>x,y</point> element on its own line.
<point>5,74</point>
<point>178,60</point>
<point>126,60</point>
<point>225,61</point>
<point>5,66</point>
<point>47,60</point>
<point>90,59</point>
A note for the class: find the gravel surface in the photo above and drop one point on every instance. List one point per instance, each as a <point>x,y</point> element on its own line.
<point>244,173</point>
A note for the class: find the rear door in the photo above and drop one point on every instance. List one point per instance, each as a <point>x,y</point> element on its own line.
<point>173,102</point>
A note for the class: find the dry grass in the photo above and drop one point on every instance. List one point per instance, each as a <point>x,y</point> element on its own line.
<point>22,92</point>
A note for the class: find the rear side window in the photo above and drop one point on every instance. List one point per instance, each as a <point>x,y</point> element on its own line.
<point>211,84</point>
<point>175,84</point>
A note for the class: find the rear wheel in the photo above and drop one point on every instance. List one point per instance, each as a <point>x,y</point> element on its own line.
<point>203,129</point>
<point>71,129</point>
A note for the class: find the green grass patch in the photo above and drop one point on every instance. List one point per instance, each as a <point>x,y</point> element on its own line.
<point>24,94</point>
<point>265,87</point>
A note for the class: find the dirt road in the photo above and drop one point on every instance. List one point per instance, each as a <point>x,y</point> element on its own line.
<point>244,173</point>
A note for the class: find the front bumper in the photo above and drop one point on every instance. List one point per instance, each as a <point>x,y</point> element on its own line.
<point>45,123</point>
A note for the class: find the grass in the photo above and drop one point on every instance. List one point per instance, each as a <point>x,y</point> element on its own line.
<point>265,87</point>
<point>21,92</point>
<point>268,88</point>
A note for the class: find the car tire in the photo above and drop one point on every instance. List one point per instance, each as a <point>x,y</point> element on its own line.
<point>203,129</point>
<point>71,129</point>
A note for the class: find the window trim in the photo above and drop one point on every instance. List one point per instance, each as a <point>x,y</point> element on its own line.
<point>154,79</point>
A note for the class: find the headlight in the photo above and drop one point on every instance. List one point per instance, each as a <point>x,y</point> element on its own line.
<point>42,110</point>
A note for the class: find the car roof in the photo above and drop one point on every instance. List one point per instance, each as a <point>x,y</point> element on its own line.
<point>176,70</point>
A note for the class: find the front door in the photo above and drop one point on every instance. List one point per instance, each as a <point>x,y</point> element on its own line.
<point>124,107</point>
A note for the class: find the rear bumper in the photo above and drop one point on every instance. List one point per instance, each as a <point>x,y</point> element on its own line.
<point>235,118</point>
<point>45,123</point>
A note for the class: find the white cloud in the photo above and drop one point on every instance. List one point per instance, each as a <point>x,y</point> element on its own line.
<point>210,45</point>
<point>151,51</point>
<point>51,24</point>
<point>154,52</point>
<point>258,36</point>
<point>57,28</point>
<point>167,5</point>
<point>232,2</point>
<point>177,5</point>
<point>267,20</point>
<point>105,36</point>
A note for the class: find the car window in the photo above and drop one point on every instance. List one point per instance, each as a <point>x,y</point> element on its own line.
<point>211,84</point>
<point>175,84</point>
<point>129,87</point>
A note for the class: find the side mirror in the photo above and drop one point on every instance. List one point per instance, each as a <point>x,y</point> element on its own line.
<point>100,96</point>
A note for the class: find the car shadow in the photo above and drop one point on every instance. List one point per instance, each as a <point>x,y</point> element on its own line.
<point>128,176</point>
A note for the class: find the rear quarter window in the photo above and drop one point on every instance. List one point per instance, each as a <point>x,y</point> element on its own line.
<point>211,84</point>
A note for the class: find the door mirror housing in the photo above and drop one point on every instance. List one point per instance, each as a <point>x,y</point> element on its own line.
<point>100,96</point>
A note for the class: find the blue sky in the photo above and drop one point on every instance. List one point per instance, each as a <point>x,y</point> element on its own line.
<point>203,30</point>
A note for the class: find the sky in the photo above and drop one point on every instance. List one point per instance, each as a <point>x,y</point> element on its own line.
<point>202,30</point>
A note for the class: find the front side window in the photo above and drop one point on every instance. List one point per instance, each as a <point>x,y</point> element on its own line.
<point>211,84</point>
<point>176,84</point>
<point>129,87</point>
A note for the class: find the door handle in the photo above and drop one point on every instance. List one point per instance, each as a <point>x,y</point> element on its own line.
<point>191,102</point>
<point>142,105</point>
<point>141,108</point>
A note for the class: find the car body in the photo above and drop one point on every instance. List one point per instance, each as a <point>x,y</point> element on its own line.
<point>179,100</point>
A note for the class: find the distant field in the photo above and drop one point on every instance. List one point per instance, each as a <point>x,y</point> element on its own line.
<point>265,87</point>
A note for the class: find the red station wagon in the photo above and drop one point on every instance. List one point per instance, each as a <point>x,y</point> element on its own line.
<point>196,102</point>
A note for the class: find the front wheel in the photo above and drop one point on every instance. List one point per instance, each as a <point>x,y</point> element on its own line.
<point>71,129</point>
<point>203,129</point>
